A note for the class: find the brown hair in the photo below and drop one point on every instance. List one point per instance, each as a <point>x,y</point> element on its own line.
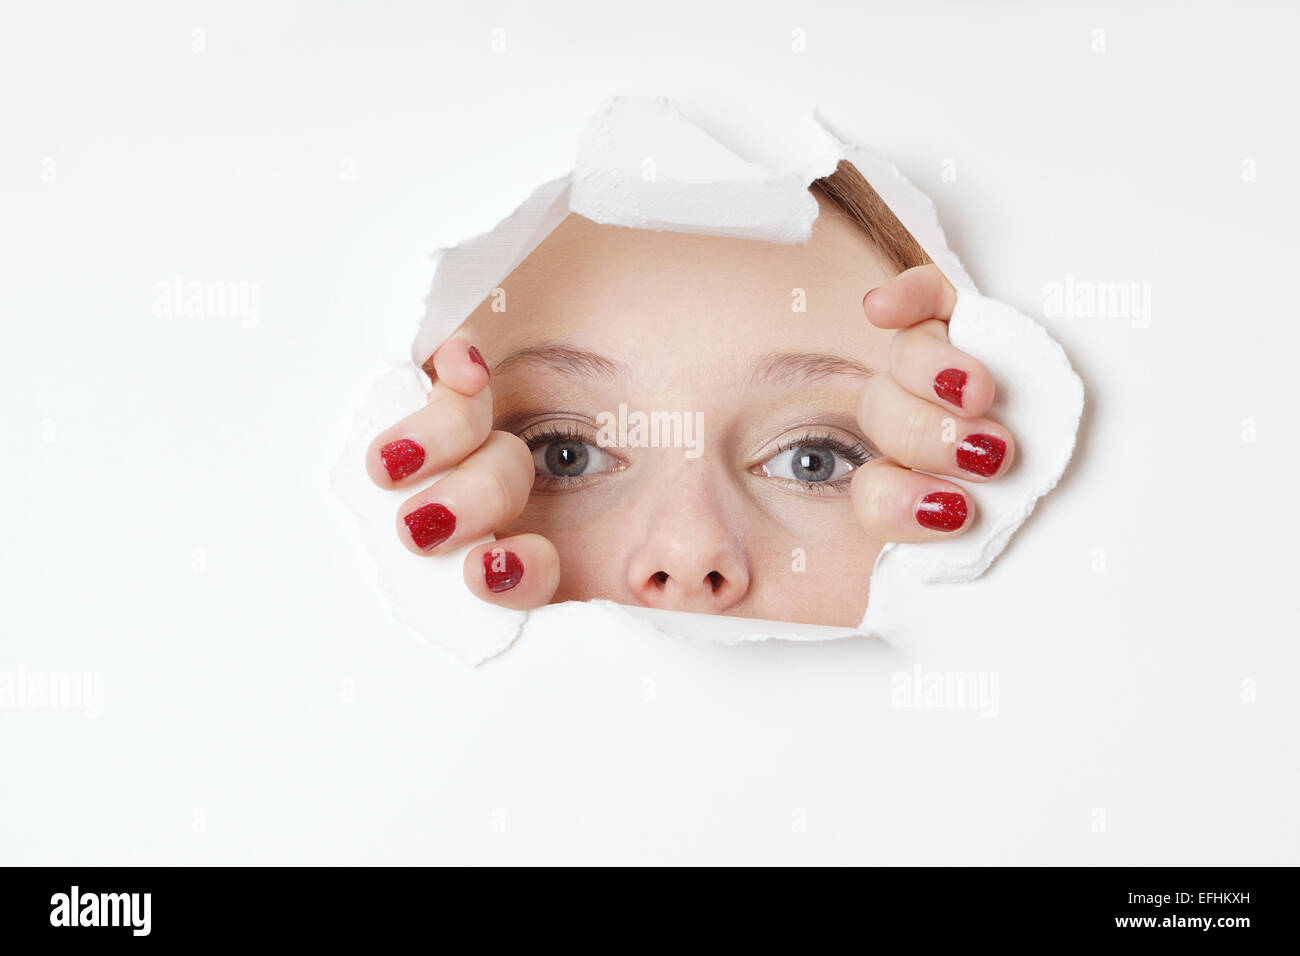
<point>849,190</point>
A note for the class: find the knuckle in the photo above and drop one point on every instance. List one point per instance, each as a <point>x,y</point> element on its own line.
<point>520,457</point>
<point>903,349</point>
<point>462,433</point>
<point>915,352</point>
<point>869,491</point>
<point>523,464</point>
<point>513,444</point>
<point>934,329</point>
<point>496,495</point>
<point>868,400</point>
<point>917,433</point>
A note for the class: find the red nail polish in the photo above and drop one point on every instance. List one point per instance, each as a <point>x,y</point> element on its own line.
<point>401,458</point>
<point>949,384</point>
<point>502,570</point>
<point>476,357</point>
<point>430,526</point>
<point>941,511</point>
<point>981,454</point>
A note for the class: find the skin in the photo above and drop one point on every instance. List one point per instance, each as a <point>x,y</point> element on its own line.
<point>599,316</point>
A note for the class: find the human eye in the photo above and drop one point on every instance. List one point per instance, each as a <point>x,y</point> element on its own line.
<point>565,455</point>
<point>815,462</point>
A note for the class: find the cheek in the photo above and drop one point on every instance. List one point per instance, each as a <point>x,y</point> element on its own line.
<point>816,568</point>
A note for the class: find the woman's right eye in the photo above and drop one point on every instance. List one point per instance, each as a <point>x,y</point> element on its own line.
<point>571,458</point>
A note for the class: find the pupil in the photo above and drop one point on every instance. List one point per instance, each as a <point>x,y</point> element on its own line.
<point>812,464</point>
<point>566,458</point>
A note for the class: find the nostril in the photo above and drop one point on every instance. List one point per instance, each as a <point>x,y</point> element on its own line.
<point>715,580</point>
<point>660,578</point>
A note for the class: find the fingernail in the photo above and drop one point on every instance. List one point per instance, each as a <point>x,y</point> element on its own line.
<point>476,357</point>
<point>430,526</point>
<point>502,570</point>
<point>941,511</point>
<point>981,454</point>
<point>949,385</point>
<point>401,458</point>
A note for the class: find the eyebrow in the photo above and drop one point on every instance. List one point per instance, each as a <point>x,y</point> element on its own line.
<point>567,360</point>
<point>784,367</point>
<point>776,368</point>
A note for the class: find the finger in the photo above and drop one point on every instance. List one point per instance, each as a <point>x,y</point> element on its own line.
<point>919,434</point>
<point>912,296</point>
<point>893,503</point>
<point>923,362</point>
<point>519,572</point>
<point>459,364</point>
<point>437,437</point>
<point>484,494</point>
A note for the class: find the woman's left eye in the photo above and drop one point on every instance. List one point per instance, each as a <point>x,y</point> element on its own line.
<point>810,463</point>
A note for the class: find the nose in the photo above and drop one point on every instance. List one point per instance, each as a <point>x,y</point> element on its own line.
<point>688,561</point>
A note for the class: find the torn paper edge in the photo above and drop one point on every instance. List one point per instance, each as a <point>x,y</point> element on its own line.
<point>642,164</point>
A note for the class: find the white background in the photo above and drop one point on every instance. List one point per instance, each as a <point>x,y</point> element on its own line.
<point>168,522</point>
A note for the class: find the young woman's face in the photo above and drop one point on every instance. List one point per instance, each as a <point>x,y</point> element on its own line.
<point>760,349</point>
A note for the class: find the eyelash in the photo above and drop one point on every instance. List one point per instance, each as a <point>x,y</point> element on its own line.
<point>551,433</point>
<point>854,452</point>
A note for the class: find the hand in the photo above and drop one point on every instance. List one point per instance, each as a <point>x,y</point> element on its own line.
<point>923,414</point>
<point>486,492</point>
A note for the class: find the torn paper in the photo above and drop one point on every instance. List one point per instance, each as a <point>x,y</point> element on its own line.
<point>643,165</point>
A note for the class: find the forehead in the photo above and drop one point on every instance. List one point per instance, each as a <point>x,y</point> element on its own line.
<point>649,297</point>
